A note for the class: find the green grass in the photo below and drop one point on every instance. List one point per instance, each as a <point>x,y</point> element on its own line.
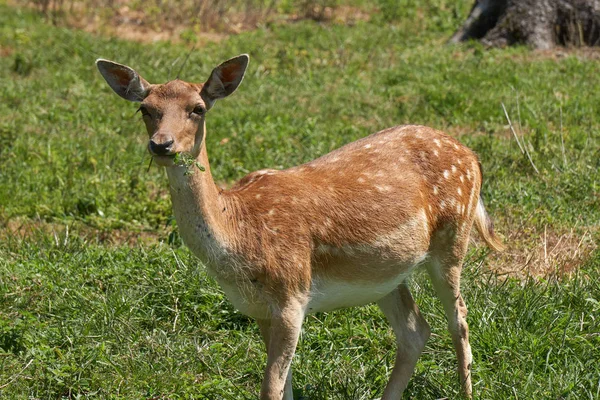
<point>82,319</point>
<point>138,323</point>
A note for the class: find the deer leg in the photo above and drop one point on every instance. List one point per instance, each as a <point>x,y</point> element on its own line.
<point>265,331</point>
<point>446,281</point>
<point>283,338</point>
<point>412,332</point>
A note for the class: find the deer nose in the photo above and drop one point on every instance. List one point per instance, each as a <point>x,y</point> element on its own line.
<point>160,149</point>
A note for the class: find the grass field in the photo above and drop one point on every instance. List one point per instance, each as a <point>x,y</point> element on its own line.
<point>98,299</point>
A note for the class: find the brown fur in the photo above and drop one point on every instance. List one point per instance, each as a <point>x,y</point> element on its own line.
<point>352,196</point>
<point>344,229</point>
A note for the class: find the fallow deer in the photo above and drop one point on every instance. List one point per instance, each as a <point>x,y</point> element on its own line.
<point>343,230</point>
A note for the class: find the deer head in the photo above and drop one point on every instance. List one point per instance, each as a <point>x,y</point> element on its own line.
<point>174,112</point>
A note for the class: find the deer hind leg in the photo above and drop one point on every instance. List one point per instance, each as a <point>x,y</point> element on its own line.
<point>281,331</point>
<point>444,272</point>
<point>412,332</point>
<point>265,331</point>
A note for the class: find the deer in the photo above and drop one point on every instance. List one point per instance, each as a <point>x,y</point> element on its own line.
<point>344,230</point>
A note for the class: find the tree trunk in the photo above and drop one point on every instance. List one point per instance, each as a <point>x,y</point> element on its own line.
<point>541,24</point>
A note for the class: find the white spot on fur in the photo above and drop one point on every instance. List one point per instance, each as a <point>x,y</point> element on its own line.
<point>436,153</point>
<point>468,174</point>
<point>384,188</point>
<point>437,142</point>
<point>474,168</point>
<point>361,180</point>
<point>435,190</point>
<point>462,179</point>
<point>446,174</point>
<point>265,172</point>
<point>442,205</point>
<point>453,169</point>
<point>368,146</point>
<point>452,203</point>
<point>459,162</point>
<point>272,212</point>
<point>459,191</point>
<point>257,196</point>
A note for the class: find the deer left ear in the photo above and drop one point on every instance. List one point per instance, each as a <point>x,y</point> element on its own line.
<point>225,78</point>
<point>123,80</point>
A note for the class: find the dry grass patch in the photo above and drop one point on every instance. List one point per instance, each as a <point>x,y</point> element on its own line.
<point>543,252</point>
<point>192,21</point>
<point>24,228</point>
<point>146,34</point>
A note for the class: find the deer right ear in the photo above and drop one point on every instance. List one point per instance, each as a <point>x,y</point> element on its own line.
<point>123,80</point>
<point>225,78</point>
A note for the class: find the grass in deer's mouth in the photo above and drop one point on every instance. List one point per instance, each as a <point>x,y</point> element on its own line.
<point>187,161</point>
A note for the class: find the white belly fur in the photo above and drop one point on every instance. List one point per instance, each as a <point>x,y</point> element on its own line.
<point>325,294</point>
<point>328,295</point>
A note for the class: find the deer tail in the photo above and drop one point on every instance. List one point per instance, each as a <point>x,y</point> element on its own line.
<point>485,227</point>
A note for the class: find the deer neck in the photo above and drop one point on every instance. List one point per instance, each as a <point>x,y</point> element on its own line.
<point>199,208</point>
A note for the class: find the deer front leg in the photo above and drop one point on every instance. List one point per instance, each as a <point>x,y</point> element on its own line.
<point>265,331</point>
<point>285,325</point>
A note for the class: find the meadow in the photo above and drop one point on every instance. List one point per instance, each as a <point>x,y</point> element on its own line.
<point>99,299</point>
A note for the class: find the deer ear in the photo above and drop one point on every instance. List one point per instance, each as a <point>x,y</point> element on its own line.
<point>123,80</point>
<point>225,78</point>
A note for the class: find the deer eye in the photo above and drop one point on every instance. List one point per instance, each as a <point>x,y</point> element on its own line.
<point>198,111</point>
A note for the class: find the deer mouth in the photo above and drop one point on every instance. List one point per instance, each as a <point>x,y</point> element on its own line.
<point>164,160</point>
